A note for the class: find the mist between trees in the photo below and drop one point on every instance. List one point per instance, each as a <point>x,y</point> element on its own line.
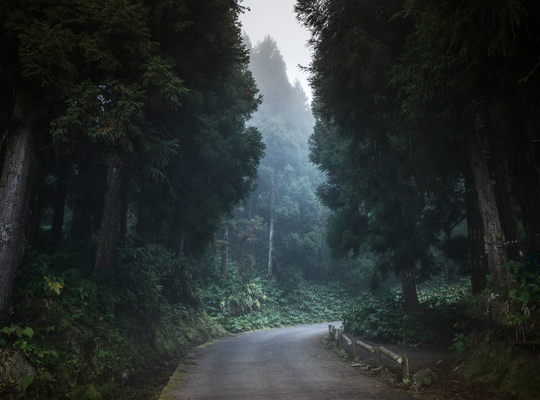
<point>159,129</point>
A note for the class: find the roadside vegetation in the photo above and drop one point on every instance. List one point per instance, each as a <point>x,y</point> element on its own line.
<point>382,315</point>
<point>261,303</point>
<point>500,347</point>
<point>78,334</point>
<point>84,335</point>
<point>162,182</point>
<point>496,334</point>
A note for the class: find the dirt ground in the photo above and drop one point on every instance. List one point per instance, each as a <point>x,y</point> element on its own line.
<point>435,356</point>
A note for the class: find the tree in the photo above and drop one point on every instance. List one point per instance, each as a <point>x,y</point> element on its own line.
<point>121,79</point>
<point>376,193</point>
<point>35,67</point>
<point>411,89</point>
<point>106,80</point>
<point>461,60</point>
<point>215,163</point>
<point>284,196</point>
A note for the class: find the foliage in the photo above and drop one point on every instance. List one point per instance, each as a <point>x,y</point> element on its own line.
<point>284,198</point>
<point>156,93</point>
<point>460,344</point>
<point>512,311</point>
<point>117,323</point>
<point>438,293</point>
<point>382,316</point>
<point>385,186</point>
<point>259,303</point>
<point>524,287</point>
<point>447,300</point>
<point>52,286</point>
<point>498,348</point>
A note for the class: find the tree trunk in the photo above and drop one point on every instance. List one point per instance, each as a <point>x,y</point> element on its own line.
<point>81,221</point>
<point>271,231</point>
<point>141,228</point>
<point>527,175</point>
<point>109,231</point>
<point>496,252</point>
<point>32,226</point>
<point>15,198</point>
<point>179,244</point>
<point>86,210</point>
<point>479,266</point>
<point>59,204</point>
<point>225,251</point>
<point>505,199</point>
<point>410,295</point>
<point>124,211</point>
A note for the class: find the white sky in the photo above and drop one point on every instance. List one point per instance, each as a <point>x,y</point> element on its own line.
<point>277,19</point>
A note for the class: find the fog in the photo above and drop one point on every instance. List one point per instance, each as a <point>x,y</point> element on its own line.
<point>277,19</point>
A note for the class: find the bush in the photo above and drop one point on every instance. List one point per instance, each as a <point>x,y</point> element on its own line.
<point>259,303</point>
<point>512,311</point>
<point>86,331</point>
<point>383,316</point>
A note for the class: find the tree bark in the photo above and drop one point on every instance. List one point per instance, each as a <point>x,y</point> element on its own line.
<point>59,203</point>
<point>408,284</point>
<point>496,252</point>
<point>124,214</point>
<point>86,210</point>
<point>141,228</point>
<point>505,198</point>
<point>110,220</point>
<point>225,251</point>
<point>15,198</point>
<point>527,174</point>
<point>271,231</point>
<point>479,266</point>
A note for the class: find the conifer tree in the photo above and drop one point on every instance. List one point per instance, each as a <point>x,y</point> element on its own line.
<point>149,88</point>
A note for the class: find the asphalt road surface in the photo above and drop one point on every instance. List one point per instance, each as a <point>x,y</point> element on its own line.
<point>288,363</point>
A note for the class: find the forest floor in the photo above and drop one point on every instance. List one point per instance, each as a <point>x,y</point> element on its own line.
<point>435,356</point>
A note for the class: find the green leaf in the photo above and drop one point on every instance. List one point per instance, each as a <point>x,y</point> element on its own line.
<point>27,381</point>
<point>53,286</point>
<point>28,332</point>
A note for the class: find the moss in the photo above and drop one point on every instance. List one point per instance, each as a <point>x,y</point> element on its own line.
<point>174,383</point>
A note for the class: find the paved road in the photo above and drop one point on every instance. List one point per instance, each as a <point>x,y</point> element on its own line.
<point>285,363</point>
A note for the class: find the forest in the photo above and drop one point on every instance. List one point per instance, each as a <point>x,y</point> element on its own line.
<point>163,183</point>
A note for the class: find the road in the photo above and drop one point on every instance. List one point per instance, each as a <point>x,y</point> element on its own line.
<point>288,363</point>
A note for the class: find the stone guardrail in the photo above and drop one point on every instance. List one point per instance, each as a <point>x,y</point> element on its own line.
<point>376,350</point>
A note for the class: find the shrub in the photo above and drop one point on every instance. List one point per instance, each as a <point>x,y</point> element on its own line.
<point>383,316</point>
<point>259,303</point>
<point>513,310</point>
<point>85,331</point>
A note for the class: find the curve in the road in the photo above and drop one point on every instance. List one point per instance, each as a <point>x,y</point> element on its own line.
<point>288,363</point>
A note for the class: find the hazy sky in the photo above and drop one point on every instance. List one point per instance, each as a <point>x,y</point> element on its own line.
<point>277,19</point>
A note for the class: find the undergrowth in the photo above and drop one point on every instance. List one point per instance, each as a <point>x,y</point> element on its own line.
<point>81,334</point>
<point>243,305</point>
<point>504,341</point>
<point>382,315</point>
